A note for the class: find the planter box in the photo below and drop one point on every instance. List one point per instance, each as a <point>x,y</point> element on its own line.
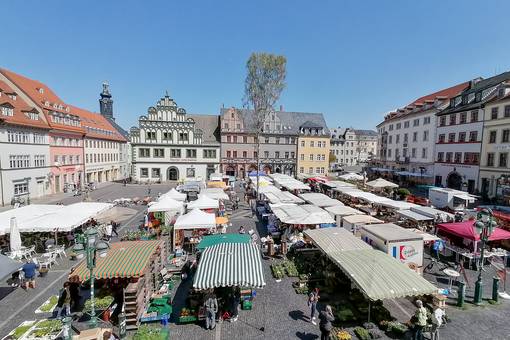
<point>26,326</point>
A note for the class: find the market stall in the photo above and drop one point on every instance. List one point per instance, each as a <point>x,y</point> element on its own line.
<point>412,219</point>
<point>277,196</point>
<point>402,244</point>
<point>380,184</point>
<point>215,193</point>
<point>354,222</point>
<point>339,211</point>
<point>330,240</point>
<point>204,203</point>
<point>351,177</point>
<point>212,240</point>
<point>319,199</point>
<point>189,228</point>
<point>437,215</point>
<point>176,195</point>
<point>129,274</point>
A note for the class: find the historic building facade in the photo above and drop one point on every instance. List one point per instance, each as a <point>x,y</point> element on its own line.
<point>494,163</point>
<point>313,148</point>
<point>352,146</point>
<point>407,137</point>
<point>171,145</point>
<point>459,134</point>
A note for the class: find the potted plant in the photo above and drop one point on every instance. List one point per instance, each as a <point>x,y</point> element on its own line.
<point>73,256</point>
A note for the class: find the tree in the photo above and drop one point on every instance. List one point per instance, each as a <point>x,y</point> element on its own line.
<point>263,86</point>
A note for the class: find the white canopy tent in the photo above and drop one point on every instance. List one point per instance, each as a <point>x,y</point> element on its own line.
<point>397,205</point>
<point>381,183</point>
<point>178,196</point>
<point>275,195</point>
<point>342,210</point>
<point>195,219</point>
<point>24,215</point>
<point>319,199</point>
<point>351,176</point>
<point>431,212</point>
<point>215,193</point>
<point>204,202</point>
<point>166,203</point>
<point>414,216</point>
<point>369,197</point>
<point>301,214</point>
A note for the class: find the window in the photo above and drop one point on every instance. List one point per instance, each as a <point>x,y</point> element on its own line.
<point>406,124</point>
<point>426,120</point>
<point>503,158</point>
<point>458,157</point>
<point>415,136</point>
<point>424,153</point>
<point>303,143</point>
<point>405,138</point>
<point>190,172</point>
<point>506,136</point>
<point>145,152</point>
<point>7,110</point>
<point>310,170</point>
<point>462,137</point>
<point>229,154</point>
<point>399,125</point>
<point>255,154</point>
<point>151,135</point>
<point>463,117</point>
<point>474,116</point>
<point>277,140</point>
<point>442,121</point>
<point>245,139</point>
<point>302,157</point>
<point>183,136</point>
<point>234,154</point>
<point>39,160</point>
<point>191,153</point>
<point>473,136</point>
<point>440,156</point>
<point>317,170</point>
<point>277,154</point>
<point>238,126</point>
<point>507,111</point>
<point>397,139</point>
<point>322,170</point>
<point>212,154</point>
<point>245,154</point>
<point>167,136</point>
<point>490,159</point>
<point>425,135</point>
<point>234,139</point>
<point>266,154</point>
<point>441,138</point>
<point>389,152</point>
<point>451,138</point>
<point>453,119</point>
<point>292,155</point>
<point>21,189</point>
<point>413,152</point>
<point>494,112</point>
<point>390,139</point>
<point>311,157</point>
<point>416,122</point>
<point>449,157</point>
<point>390,127</point>
<point>312,143</point>
<point>144,172</point>
<point>266,140</point>
<point>155,172</point>
<point>175,153</point>
<point>286,154</point>
<point>229,139</point>
<point>301,170</point>
<point>492,136</point>
<point>159,153</point>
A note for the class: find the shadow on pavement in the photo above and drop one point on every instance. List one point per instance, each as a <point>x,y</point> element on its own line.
<point>298,315</point>
<point>4,291</point>
<point>306,336</point>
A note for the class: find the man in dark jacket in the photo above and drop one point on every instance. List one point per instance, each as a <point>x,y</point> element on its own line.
<point>325,319</point>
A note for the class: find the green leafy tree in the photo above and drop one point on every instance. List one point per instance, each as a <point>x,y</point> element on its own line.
<point>265,81</point>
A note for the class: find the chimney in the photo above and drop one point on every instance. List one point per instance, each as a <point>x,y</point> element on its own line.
<point>281,108</point>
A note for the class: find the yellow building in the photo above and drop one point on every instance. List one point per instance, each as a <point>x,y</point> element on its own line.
<point>313,149</point>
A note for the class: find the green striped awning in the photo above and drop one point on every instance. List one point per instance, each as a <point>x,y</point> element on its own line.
<point>230,264</point>
<point>123,259</point>
<point>380,276</point>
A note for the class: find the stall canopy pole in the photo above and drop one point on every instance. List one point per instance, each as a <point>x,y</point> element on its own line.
<point>369,306</point>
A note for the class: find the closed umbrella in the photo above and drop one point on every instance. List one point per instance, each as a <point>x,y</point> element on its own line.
<point>15,237</point>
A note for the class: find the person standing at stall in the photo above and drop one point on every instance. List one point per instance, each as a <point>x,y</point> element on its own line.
<point>211,308</point>
<point>313,298</point>
<point>29,270</point>
<point>325,319</point>
<point>419,320</point>
<point>64,301</point>
<point>236,300</point>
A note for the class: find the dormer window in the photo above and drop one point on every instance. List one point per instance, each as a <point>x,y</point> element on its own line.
<point>32,115</point>
<point>41,90</point>
<point>46,103</point>
<point>12,96</point>
<point>478,96</point>
<point>7,110</point>
<point>55,106</point>
<point>67,109</point>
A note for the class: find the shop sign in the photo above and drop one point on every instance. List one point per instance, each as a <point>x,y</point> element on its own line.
<point>404,252</point>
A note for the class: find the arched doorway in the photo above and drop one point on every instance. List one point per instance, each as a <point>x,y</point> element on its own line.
<point>230,171</point>
<point>278,171</point>
<point>172,174</point>
<point>454,180</point>
<point>241,173</point>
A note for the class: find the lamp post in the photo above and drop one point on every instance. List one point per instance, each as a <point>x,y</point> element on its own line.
<point>92,246</point>
<point>484,225</point>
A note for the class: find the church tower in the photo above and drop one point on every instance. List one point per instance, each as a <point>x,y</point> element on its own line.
<point>106,102</point>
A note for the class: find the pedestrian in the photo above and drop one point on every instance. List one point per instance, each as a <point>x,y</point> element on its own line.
<point>211,308</point>
<point>419,320</point>
<point>64,301</point>
<point>115,225</point>
<point>313,298</point>
<point>108,231</point>
<point>241,230</point>
<point>437,321</point>
<point>74,289</point>
<point>29,270</point>
<point>236,300</point>
<point>325,319</point>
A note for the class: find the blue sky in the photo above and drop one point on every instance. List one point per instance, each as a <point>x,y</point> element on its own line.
<point>351,60</point>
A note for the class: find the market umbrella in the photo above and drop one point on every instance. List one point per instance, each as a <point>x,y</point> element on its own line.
<point>14,237</point>
<point>381,183</point>
<point>351,177</point>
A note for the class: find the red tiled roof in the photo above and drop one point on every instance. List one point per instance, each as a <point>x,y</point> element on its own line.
<point>443,94</point>
<point>95,120</point>
<point>20,108</point>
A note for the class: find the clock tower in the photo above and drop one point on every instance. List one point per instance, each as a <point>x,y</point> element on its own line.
<point>106,102</point>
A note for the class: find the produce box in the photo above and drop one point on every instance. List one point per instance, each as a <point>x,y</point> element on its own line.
<point>187,319</point>
<point>45,330</point>
<point>246,305</point>
<point>48,306</point>
<point>21,330</point>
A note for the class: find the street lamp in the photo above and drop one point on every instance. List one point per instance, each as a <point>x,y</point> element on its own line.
<point>484,225</point>
<point>92,246</point>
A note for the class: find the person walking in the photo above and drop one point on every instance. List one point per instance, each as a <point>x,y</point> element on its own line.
<point>420,320</point>
<point>325,319</point>
<point>64,301</point>
<point>241,230</point>
<point>236,300</point>
<point>29,270</point>
<point>437,321</point>
<point>313,298</point>
<point>211,308</point>
<point>115,225</point>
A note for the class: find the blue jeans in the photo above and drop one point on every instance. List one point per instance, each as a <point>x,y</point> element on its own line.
<point>210,319</point>
<point>313,310</point>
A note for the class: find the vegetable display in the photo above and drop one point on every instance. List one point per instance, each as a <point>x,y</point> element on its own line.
<point>145,332</point>
<point>46,329</point>
<point>100,303</point>
<point>49,305</point>
<point>278,271</point>
<point>22,329</point>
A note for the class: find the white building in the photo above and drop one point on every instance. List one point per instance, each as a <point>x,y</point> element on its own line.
<point>352,146</point>
<point>459,134</point>
<point>24,146</point>
<point>406,137</point>
<point>171,145</point>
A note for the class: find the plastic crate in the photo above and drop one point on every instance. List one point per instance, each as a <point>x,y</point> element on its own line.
<point>246,305</point>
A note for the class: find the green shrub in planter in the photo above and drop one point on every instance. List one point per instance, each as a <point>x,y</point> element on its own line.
<point>345,314</point>
<point>100,303</point>
<point>362,333</point>
<point>278,271</point>
<point>403,192</point>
